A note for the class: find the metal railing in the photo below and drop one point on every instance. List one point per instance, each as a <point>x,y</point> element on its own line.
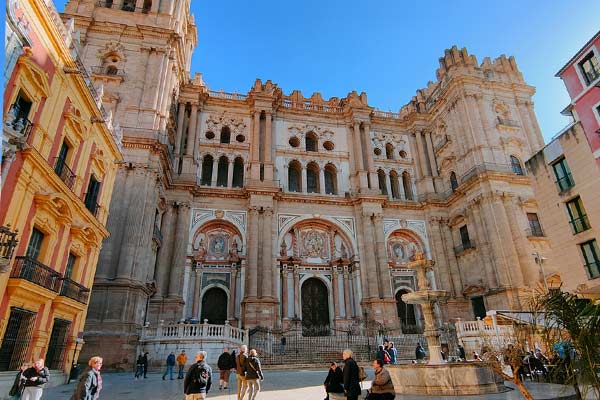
<point>580,224</point>
<point>470,244</point>
<point>64,172</point>
<point>105,71</point>
<point>20,125</point>
<point>74,290</point>
<point>565,183</point>
<point>93,208</point>
<point>535,231</point>
<point>8,242</point>
<point>508,122</point>
<point>35,272</point>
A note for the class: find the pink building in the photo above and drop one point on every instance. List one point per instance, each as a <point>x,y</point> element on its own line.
<point>581,75</point>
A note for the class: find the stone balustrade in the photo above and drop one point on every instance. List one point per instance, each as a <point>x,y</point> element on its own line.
<point>476,334</point>
<point>222,333</point>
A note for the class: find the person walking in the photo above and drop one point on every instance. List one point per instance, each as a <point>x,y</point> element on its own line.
<point>90,381</point>
<point>36,378</point>
<point>198,379</point>
<point>351,379</point>
<point>393,352</point>
<point>145,360</point>
<point>240,364</point>
<point>181,360</point>
<point>139,367</point>
<point>224,364</point>
<point>170,366</point>
<point>382,387</point>
<point>334,380</point>
<point>253,374</point>
<point>419,352</point>
<point>18,385</point>
<point>383,355</point>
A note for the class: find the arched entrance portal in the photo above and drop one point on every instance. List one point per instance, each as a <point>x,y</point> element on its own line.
<point>214,306</point>
<point>406,313</point>
<point>315,308</point>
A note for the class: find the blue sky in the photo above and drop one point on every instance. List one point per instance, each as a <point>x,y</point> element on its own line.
<point>388,49</point>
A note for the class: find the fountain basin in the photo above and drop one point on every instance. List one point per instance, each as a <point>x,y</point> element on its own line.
<point>454,379</point>
<point>425,296</point>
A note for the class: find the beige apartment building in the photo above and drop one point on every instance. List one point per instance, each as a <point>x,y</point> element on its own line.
<point>262,208</point>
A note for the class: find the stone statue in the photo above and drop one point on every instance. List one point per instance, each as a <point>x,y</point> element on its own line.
<point>283,249</point>
<point>343,251</point>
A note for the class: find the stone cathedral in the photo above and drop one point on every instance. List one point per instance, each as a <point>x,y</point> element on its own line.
<point>265,208</point>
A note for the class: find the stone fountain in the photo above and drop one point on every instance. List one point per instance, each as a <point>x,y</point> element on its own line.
<point>438,377</point>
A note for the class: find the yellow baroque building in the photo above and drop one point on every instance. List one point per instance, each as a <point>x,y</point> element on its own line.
<point>59,160</point>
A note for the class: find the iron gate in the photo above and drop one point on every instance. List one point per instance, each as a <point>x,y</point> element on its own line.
<point>16,338</point>
<point>55,356</point>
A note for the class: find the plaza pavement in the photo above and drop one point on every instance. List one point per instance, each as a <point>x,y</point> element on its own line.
<point>278,385</point>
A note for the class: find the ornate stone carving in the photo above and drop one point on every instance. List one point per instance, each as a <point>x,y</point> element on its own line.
<point>215,122</point>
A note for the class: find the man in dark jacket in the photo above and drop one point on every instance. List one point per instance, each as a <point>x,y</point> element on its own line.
<point>145,364</point>
<point>198,379</point>
<point>36,378</point>
<point>333,382</point>
<point>351,380</point>
<point>170,366</point>
<point>419,352</point>
<point>224,364</point>
<point>253,374</point>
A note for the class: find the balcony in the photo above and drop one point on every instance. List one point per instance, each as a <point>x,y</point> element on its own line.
<point>94,208</point>
<point>108,71</point>
<point>535,231</point>
<point>35,272</point>
<point>464,247</point>
<point>8,242</point>
<point>565,183</point>
<point>64,172</point>
<point>511,123</point>
<point>580,224</point>
<point>74,290</point>
<point>16,127</point>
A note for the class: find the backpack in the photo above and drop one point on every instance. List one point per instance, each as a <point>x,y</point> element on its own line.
<point>200,376</point>
<point>362,375</point>
<point>386,357</point>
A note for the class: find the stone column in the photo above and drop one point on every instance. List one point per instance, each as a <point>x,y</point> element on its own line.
<point>336,293</point>
<point>180,117</point>
<point>431,153</point>
<point>415,156</point>
<point>358,156</point>
<point>284,292</point>
<point>347,305</point>
<point>251,268</point>
<point>304,182</point>
<point>191,138</point>
<point>196,298</point>
<point>255,149</point>
<point>197,136</point>
<point>442,259</point>
<point>388,186</point>
<point>296,292</point>
<point>267,253</point>
<point>372,276</point>
<point>422,157</point>
<point>215,171</point>
<point>161,275</point>
<point>284,178</point>
<point>230,174</point>
<point>455,275</point>
<point>526,266</point>
<point>483,243</point>
<point>321,180</point>
<point>232,292</point>
<point>537,133</point>
<point>367,151</point>
<point>385,289</point>
<point>181,241</point>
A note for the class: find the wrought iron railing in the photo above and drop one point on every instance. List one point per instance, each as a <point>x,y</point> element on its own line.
<point>93,208</point>
<point>74,290</point>
<point>107,72</point>
<point>8,242</point>
<point>565,183</point>
<point>469,244</point>
<point>64,172</point>
<point>35,272</point>
<point>19,124</point>
<point>535,231</point>
<point>580,224</point>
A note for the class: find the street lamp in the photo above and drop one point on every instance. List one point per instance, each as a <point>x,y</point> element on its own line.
<point>539,260</point>
<point>74,370</point>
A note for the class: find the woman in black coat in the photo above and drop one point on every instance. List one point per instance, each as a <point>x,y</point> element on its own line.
<point>90,381</point>
<point>333,382</point>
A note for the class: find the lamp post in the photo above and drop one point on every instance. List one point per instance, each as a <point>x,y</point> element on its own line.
<point>74,363</point>
<point>539,260</point>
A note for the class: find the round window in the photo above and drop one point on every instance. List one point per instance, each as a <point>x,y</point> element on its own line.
<point>328,145</point>
<point>294,142</point>
<point>377,151</point>
<point>402,154</point>
<point>210,135</point>
<point>240,138</point>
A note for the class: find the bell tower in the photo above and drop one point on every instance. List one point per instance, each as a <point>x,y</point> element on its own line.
<point>138,54</point>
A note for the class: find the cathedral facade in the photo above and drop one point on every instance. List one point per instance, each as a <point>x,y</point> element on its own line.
<point>267,209</point>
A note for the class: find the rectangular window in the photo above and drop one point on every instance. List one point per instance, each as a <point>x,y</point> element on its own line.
<point>35,244</point>
<point>70,265</point>
<point>535,228</point>
<point>579,220</point>
<point>590,68</point>
<point>464,237</point>
<point>564,179</point>
<point>61,159</point>
<point>17,335</point>
<point>591,255</point>
<point>478,307</point>
<point>91,197</point>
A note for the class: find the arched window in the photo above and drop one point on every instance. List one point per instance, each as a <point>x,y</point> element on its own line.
<point>312,178</point>
<point>311,142</point>
<point>147,6</point>
<point>515,164</point>
<point>294,177</point>
<point>330,179</point>
<point>225,135</point>
<point>222,170</point>
<point>207,166</point>
<point>389,151</point>
<point>406,313</point>
<point>406,183</point>
<point>394,185</point>
<point>381,179</point>
<point>238,173</point>
<point>453,181</point>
